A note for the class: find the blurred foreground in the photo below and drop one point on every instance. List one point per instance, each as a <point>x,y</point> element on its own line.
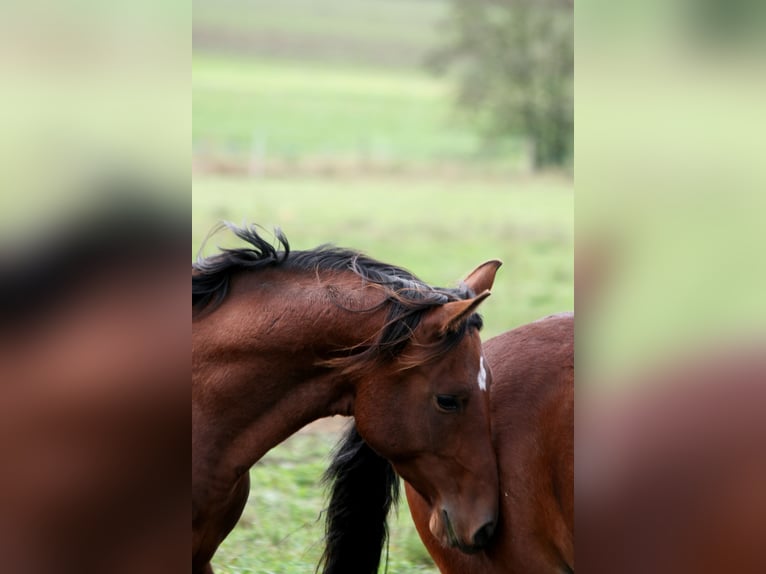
<point>94,332</point>
<point>670,471</point>
<point>94,406</point>
<point>671,402</point>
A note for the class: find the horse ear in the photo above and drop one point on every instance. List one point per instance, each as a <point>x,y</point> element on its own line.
<point>482,278</point>
<point>451,315</point>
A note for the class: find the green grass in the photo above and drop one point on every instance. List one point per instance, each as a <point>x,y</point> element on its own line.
<point>297,110</point>
<point>338,82</point>
<point>282,526</point>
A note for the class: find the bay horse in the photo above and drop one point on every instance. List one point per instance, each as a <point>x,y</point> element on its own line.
<point>281,338</point>
<point>532,417</point>
<point>532,414</point>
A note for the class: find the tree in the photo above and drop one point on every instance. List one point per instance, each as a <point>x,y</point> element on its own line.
<point>514,64</point>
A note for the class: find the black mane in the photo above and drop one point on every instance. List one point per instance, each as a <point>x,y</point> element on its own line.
<point>212,277</point>
<point>407,297</point>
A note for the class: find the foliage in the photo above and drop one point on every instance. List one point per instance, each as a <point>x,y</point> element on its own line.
<point>514,64</point>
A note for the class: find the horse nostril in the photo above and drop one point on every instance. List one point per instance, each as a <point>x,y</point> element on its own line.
<point>484,535</point>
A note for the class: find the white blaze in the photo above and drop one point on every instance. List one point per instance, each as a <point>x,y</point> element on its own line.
<point>482,375</point>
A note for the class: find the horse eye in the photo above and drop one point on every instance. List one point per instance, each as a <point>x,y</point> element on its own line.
<point>448,403</point>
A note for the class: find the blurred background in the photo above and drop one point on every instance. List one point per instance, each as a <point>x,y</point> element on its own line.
<point>670,180</point>
<point>432,134</point>
<point>93,98</point>
<point>427,132</point>
<point>94,208</point>
<point>671,417</point>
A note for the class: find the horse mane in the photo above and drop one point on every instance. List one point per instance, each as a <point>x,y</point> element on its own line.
<point>364,487</point>
<point>406,296</point>
<point>211,278</point>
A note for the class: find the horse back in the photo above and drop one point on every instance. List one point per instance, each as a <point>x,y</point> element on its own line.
<point>533,425</point>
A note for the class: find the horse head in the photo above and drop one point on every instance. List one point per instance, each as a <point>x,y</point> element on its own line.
<point>427,412</point>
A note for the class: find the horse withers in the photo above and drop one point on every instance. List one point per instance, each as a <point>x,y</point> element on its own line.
<point>532,414</point>
<point>281,338</point>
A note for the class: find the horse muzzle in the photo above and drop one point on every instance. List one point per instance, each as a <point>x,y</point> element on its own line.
<point>474,539</point>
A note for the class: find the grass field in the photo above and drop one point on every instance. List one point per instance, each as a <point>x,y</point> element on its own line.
<point>439,229</point>
<point>281,528</point>
<point>268,110</point>
<point>341,83</point>
<point>296,84</point>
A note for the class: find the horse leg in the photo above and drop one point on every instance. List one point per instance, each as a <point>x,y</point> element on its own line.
<point>218,525</point>
<point>236,505</point>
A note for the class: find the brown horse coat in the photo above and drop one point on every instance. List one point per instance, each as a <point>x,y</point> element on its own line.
<point>532,414</point>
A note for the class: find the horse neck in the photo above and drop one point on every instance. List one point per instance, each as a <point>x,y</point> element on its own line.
<point>257,360</point>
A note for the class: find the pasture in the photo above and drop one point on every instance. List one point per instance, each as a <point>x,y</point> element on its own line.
<point>439,229</point>
<point>342,115</point>
<point>281,528</point>
<point>342,86</point>
<point>323,121</point>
